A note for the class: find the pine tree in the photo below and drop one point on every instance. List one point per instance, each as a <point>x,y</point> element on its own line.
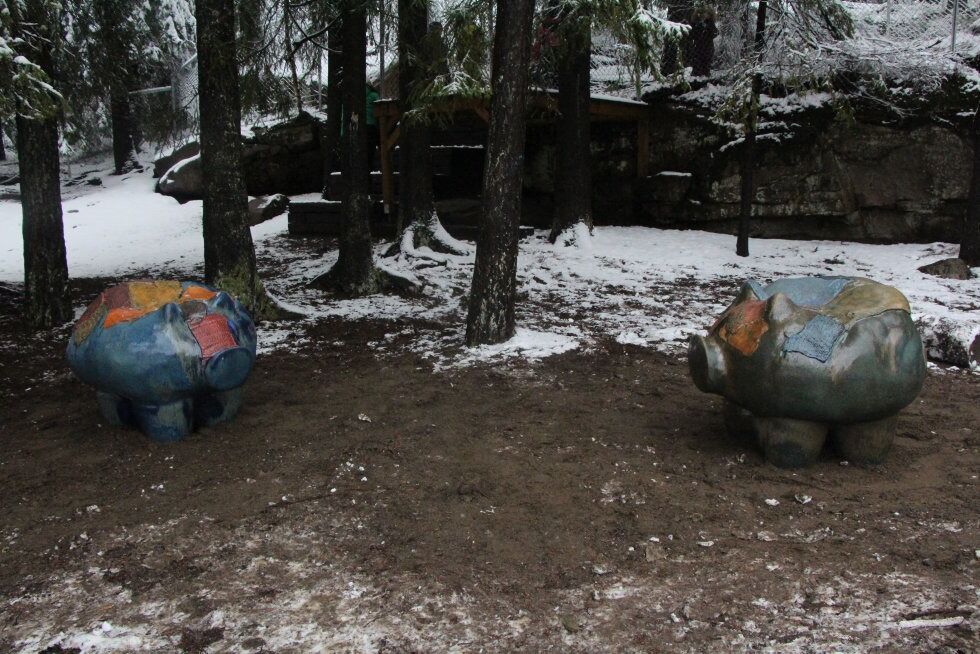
<point>30,68</point>
<point>422,58</point>
<point>573,180</point>
<point>330,136</point>
<point>354,274</point>
<point>747,162</point>
<point>330,140</point>
<point>970,239</point>
<point>115,37</point>
<point>229,255</point>
<point>493,295</point>
<point>117,47</point>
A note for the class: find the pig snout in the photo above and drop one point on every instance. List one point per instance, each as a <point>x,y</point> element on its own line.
<point>707,364</point>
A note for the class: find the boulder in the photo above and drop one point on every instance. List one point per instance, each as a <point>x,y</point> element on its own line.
<point>951,341</point>
<point>953,268</point>
<point>165,163</point>
<point>282,158</point>
<point>263,208</point>
<point>184,181</point>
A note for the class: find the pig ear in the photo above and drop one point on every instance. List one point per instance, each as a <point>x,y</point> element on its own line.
<point>172,313</point>
<point>224,302</point>
<point>751,290</point>
<point>779,308</point>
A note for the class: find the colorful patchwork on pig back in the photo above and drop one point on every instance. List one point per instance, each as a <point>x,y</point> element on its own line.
<point>164,356</point>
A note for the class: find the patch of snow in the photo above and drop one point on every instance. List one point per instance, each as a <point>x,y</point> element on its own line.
<point>636,285</point>
<point>527,343</point>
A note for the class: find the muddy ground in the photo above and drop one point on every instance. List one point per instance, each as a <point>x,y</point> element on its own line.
<point>361,502</point>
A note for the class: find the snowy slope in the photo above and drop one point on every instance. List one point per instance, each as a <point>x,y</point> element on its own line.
<point>637,285</point>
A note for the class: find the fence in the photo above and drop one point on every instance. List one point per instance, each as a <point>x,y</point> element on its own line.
<point>920,24</point>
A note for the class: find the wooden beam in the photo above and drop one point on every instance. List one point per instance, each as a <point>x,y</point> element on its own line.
<point>387,145</point>
<point>643,147</point>
<point>393,137</point>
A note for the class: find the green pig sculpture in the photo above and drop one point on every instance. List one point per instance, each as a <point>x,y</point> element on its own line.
<point>806,357</point>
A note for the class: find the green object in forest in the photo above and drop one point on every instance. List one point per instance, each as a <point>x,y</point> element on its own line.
<point>371,97</point>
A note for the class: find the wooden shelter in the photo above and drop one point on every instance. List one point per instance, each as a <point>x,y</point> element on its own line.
<point>543,107</point>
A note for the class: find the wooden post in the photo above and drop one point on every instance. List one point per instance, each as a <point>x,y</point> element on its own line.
<point>387,144</point>
<point>643,147</point>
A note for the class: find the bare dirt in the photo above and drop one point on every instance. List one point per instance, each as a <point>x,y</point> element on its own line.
<point>361,502</point>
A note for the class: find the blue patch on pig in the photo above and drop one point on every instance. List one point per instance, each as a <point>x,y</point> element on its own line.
<point>817,338</point>
<point>807,291</point>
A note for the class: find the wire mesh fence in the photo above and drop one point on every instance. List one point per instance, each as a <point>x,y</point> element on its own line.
<point>920,24</point>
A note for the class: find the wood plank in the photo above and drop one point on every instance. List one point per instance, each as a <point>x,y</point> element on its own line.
<point>643,148</point>
<point>387,144</point>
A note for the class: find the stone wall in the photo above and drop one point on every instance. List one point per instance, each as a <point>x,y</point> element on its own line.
<point>825,176</point>
<point>836,178</point>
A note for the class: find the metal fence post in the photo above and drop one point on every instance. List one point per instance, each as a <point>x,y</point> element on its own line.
<point>888,16</point>
<point>956,8</point>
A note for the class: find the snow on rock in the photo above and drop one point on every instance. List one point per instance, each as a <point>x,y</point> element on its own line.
<point>634,285</point>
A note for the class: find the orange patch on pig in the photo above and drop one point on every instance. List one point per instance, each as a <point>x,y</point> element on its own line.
<point>197,293</point>
<point>743,325</point>
<point>122,314</point>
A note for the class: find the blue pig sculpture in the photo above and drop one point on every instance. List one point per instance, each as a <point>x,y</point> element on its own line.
<point>808,357</point>
<point>164,356</point>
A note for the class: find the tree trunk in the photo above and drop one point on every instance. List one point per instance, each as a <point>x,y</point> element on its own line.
<point>229,255</point>
<point>421,56</point>
<point>287,19</point>
<point>970,240</point>
<point>354,273</point>
<point>415,198</point>
<point>747,163</point>
<point>3,150</point>
<point>331,136</point>
<point>123,146</point>
<point>45,262</point>
<point>670,56</point>
<point>47,302</point>
<point>573,182</point>
<point>699,44</point>
<point>492,298</point>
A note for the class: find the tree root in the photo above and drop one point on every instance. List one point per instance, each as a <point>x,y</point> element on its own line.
<point>578,236</point>
<point>432,235</point>
<point>380,280</point>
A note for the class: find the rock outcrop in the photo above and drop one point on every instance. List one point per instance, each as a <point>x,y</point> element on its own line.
<point>283,158</point>
<point>263,208</point>
<point>834,179</point>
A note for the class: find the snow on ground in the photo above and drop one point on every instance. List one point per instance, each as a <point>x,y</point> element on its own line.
<point>311,598</point>
<point>636,285</point>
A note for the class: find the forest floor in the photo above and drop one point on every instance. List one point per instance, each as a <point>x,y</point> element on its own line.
<point>590,501</point>
<point>387,490</point>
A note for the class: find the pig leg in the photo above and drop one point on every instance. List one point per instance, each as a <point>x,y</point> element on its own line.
<point>865,442</point>
<point>115,410</point>
<point>738,422</point>
<point>790,443</point>
<point>216,408</point>
<point>165,423</point>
